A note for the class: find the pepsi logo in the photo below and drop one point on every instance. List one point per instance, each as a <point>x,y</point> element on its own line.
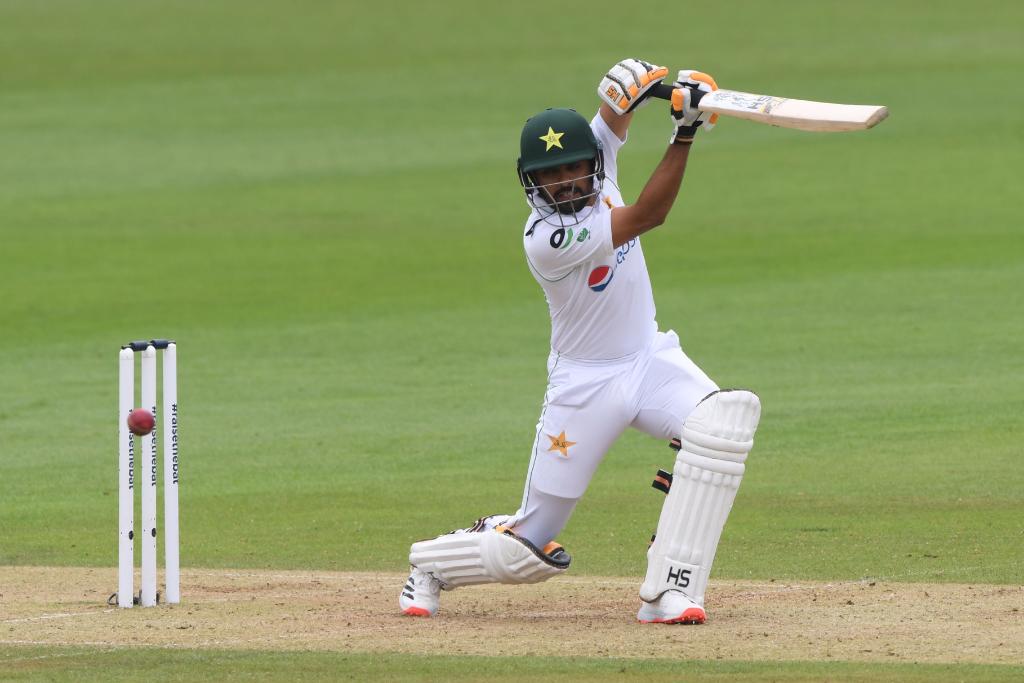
<point>600,277</point>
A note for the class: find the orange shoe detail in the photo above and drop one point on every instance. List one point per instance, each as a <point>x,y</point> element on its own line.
<point>692,615</point>
<point>416,612</point>
<point>552,547</point>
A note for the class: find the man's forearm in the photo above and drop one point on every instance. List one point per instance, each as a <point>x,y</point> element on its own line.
<point>618,123</point>
<point>661,190</point>
<point>652,206</point>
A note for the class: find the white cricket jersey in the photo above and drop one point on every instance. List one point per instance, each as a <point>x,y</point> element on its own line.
<point>599,297</point>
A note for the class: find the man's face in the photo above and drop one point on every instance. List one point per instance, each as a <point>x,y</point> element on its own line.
<point>568,187</point>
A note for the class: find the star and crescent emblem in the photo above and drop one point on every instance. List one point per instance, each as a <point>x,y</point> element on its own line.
<point>552,139</point>
<point>560,443</point>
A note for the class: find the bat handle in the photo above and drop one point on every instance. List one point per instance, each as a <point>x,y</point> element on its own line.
<point>664,91</point>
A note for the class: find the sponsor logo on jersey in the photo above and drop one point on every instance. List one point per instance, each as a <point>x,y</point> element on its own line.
<point>600,278</point>
<point>562,238</point>
<point>620,254</point>
<point>560,443</point>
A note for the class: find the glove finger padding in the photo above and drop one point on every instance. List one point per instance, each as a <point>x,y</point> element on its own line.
<point>698,80</point>
<point>627,85</point>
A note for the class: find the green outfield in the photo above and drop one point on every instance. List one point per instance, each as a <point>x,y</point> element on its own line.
<point>318,201</point>
<point>123,665</point>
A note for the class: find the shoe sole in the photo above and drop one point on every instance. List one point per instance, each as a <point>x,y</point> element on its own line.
<point>691,616</point>
<point>416,612</point>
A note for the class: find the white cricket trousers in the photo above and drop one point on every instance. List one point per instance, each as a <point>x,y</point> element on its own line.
<point>586,407</point>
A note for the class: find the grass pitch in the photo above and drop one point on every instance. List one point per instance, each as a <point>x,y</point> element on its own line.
<point>82,664</point>
<point>318,202</point>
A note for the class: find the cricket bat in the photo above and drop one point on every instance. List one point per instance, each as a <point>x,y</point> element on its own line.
<point>785,112</point>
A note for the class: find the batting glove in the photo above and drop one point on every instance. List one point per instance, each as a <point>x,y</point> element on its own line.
<point>626,87</point>
<point>697,80</point>
<point>685,116</point>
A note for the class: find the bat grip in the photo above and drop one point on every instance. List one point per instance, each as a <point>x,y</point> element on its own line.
<point>663,91</point>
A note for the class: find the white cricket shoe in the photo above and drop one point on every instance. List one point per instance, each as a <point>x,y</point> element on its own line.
<point>672,607</point>
<point>421,594</point>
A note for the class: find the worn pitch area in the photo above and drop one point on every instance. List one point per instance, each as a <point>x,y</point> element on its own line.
<point>578,616</point>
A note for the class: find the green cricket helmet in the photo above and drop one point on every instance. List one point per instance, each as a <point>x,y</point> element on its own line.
<point>552,138</point>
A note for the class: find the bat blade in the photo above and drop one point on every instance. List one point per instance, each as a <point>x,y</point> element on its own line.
<point>789,113</point>
<point>785,112</point>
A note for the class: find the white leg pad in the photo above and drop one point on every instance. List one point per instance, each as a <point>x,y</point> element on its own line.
<point>465,558</point>
<point>716,438</point>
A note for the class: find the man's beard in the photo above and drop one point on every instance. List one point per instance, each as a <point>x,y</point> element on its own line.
<point>565,205</point>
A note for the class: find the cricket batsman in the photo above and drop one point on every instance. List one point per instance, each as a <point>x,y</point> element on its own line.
<point>610,367</point>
